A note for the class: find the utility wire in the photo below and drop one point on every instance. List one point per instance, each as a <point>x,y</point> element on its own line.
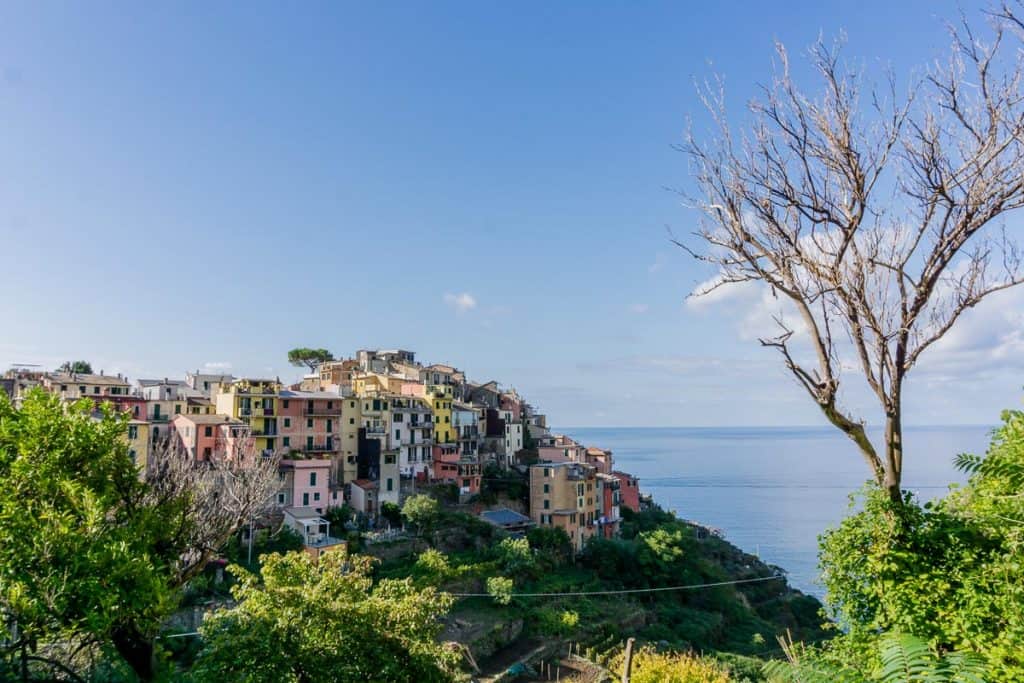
<point>624,591</point>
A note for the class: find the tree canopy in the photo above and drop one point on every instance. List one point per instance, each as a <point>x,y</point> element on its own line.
<point>311,358</point>
<point>950,572</point>
<point>82,367</point>
<point>78,547</point>
<point>325,621</point>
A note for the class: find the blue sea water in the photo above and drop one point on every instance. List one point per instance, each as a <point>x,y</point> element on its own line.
<point>772,491</point>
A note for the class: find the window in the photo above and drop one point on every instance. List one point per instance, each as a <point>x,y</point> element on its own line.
<point>136,411</point>
<point>330,404</point>
<point>547,504</point>
<point>208,431</point>
<point>547,488</point>
<point>81,390</point>
<point>63,387</point>
<point>305,499</point>
<point>351,404</point>
<point>316,495</point>
<point>391,484</point>
<point>287,423</point>
<point>309,423</point>
<point>206,452</point>
<point>284,404</point>
<point>206,386</point>
<point>95,390</point>
<point>351,420</point>
<point>330,426</point>
<point>131,454</point>
<point>156,432</point>
<point>287,441</point>
<point>133,431</point>
<point>312,478</point>
<point>447,419</point>
<point>309,443</point>
<point>547,472</point>
<point>399,417</point>
<point>398,435</point>
<point>177,409</point>
<point>280,499</point>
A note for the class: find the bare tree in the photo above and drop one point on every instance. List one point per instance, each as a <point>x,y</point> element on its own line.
<point>872,216</point>
<point>202,503</point>
<point>222,494</point>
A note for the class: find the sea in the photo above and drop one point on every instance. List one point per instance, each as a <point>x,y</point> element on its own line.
<point>773,490</point>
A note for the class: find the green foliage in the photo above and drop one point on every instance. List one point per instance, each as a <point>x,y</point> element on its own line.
<point>84,553</point>
<point>338,517</point>
<point>311,358</point>
<point>556,622</point>
<point>500,588</point>
<point>392,513</point>
<point>325,621</point>
<point>515,556</point>
<point>901,658</point>
<point>81,367</point>
<point>264,542</point>
<point>651,666</point>
<point>422,512</point>
<point>951,572</point>
<point>553,544</point>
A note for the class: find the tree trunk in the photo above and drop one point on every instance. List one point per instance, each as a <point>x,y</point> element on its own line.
<point>137,651</point>
<point>894,454</point>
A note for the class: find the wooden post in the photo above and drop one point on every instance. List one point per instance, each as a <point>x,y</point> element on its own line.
<point>627,662</point>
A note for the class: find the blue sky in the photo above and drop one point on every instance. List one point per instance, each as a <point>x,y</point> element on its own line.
<point>484,183</point>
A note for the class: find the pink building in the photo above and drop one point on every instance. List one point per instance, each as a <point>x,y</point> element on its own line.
<point>629,490</point>
<point>304,484</point>
<point>453,467</point>
<point>563,449</point>
<point>599,458</point>
<point>309,422</point>
<point>203,436</point>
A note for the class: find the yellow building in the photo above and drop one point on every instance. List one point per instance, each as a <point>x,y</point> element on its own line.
<point>370,384</point>
<point>565,495</point>
<point>351,421</point>
<point>253,401</point>
<point>439,396</point>
<point>138,443</point>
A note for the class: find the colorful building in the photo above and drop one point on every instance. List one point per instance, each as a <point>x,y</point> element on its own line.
<point>564,495</point>
<point>304,484</point>
<point>440,397</point>
<point>206,436</point>
<point>629,490</point>
<point>412,430</point>
<point>609,522</point>
<point>253,401</point>
<point>453,467</point>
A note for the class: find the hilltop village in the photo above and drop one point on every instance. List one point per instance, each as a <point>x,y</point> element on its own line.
<point>365,432</point>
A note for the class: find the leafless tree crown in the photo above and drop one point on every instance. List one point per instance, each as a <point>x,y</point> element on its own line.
<point>874,215</point>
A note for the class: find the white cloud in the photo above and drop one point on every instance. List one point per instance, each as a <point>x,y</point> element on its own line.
<point>214,365</point>
<point>460,302</point>
<point>659,263</point>
<point>639,309</point>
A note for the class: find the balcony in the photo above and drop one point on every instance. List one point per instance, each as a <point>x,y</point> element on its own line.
<point>158,418</point>
<point>321,448</point>
<point>375,429</point>
<point>264,432</point>
<point>309,412</point>
<point>263,412</point>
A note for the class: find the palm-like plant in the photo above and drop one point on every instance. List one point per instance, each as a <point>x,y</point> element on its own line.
<point>903,658</point>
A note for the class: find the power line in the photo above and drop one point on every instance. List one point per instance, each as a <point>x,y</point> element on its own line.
<point>624,591</point>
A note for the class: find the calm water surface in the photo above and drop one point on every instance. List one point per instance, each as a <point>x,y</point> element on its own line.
<point>773,490</point>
